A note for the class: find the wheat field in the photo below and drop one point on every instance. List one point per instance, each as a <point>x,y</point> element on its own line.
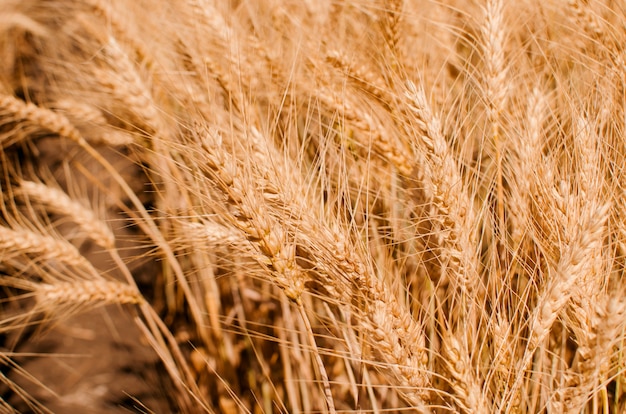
<point>313,206</point>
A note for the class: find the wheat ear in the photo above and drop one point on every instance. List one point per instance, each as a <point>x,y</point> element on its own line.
<point>26,114</point>
<point>85,293</point>
<point>362,76</point>
<point>42,248</point>
<point>391,22</point>
<point>453,213</point>
<point>58,202</point>
<point>590,182</point>
<point>127,85</point>
<point>582,16</point>
<point>586,237</point>
<point>593,356</point>
<point>464,381</point>
<point>496,91</point>
<point>503,359</point>
<point>91,122</point>
<point>524,173</point>
<point>370,131</point>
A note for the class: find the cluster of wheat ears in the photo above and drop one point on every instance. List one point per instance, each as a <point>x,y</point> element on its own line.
<point>372,206</point>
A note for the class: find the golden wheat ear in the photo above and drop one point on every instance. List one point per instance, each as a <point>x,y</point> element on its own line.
<point>453,213</point>
<point>27,119</point>
<point>92,123</point>
<point>56,201</point>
